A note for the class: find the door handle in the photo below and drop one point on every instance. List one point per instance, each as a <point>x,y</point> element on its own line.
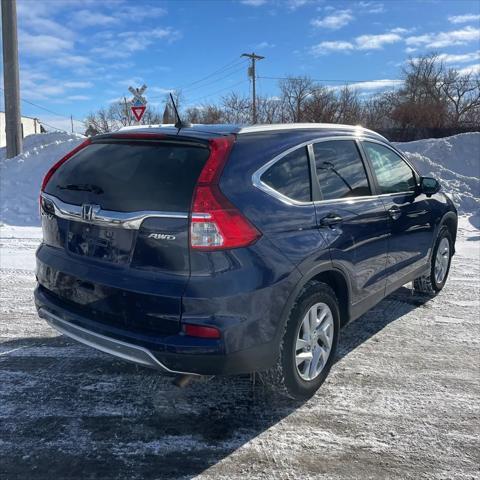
<point>330,219</point>
<point>394,212</point>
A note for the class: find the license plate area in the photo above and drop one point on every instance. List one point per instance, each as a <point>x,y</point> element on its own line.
<point>112,245</point>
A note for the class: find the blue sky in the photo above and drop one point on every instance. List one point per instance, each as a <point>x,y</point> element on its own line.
<point>79,55</point>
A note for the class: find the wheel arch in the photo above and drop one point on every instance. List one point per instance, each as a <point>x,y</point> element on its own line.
<point>329,274</point>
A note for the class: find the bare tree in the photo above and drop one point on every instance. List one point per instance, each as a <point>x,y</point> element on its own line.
<point>118,115</point>
<point>463,96</point>
<point>321,106</point>
<point>236,108</point>
<point>295,92</point>
<point>349,108</point>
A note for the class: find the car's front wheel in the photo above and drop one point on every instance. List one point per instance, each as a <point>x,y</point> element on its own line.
<point>309,343</point>
<point>442,253</point>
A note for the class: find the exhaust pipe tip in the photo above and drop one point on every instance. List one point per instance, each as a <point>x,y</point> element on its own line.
<point>181,381</point>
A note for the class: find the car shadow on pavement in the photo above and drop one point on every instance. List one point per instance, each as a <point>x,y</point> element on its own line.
<point>70,412</point>
<point>387,311</point>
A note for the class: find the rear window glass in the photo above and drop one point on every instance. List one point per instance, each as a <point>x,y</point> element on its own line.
<point>291,176</point>
<point>131,176</point>
<point>340,170</point>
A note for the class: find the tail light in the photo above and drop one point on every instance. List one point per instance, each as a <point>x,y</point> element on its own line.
<point>57,165</point>
<point>201,331</point>
<point>216,224</point>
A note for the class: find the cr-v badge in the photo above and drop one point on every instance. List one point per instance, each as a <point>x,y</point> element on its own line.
<point>162,236</point>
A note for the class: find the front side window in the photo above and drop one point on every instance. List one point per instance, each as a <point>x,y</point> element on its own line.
<point>291,176</point>
<point>340,170</point>
<point>392,172</point>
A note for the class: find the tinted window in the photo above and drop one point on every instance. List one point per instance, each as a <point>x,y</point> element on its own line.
<point>291,176</point>
<point>131,176</point>
<point>393,174</point>
<point>340,170</point>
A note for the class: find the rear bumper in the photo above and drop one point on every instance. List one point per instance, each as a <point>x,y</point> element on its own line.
<point>118,348</point>
<point>171,354</point>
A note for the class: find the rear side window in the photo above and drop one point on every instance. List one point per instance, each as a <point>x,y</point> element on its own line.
<point>340,170</point>
<point>392,172</point>
<point>291,176</point>
<point>131,176</point>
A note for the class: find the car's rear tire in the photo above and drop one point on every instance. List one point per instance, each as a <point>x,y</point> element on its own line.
<point>309,343</point>
<point>435,280</point>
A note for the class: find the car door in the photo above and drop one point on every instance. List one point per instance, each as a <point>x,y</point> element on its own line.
<point>352,219</point>
<point>411,225</point>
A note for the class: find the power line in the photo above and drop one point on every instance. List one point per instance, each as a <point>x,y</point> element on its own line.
<point>219,91</point>
<point>51,126</point>
<point>191,89</point>
<point>218,79</point>
<point>46,109</point>
<point>219,70</point>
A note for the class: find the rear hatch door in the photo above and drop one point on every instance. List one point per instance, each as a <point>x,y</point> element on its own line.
<point>121,205</point>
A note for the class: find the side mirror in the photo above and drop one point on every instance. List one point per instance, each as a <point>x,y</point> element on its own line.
<point>429,186</point>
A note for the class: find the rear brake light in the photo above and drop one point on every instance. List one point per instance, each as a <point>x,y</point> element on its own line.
<point>201,331</point>
<point>216,224</point>
<point>56,166</point>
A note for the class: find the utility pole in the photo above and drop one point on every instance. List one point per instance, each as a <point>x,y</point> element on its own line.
<point>127,120</point>
<point>13,121</point>
<point>252,73</point>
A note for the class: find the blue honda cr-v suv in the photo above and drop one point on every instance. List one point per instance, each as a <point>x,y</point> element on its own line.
<point>226,250</point>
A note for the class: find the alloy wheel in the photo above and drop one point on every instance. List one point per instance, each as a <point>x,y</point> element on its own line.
<point>314,341</point>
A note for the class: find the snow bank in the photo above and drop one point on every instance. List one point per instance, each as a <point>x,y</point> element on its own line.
<point>21,176</point>
<point>455,161</point>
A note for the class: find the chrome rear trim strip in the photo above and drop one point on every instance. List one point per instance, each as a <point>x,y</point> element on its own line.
<point>124,350</point>
<point>128,220</point>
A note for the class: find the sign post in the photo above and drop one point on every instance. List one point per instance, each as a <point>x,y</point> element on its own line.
<point>138,102</point>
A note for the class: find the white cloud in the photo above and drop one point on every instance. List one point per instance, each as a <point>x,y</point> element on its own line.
<point>376,42</point>
<point>459,58</point>
<point>334,21</point>
<point>263,45</point>
<point>40,45</point>
<point>324,48</point>
<point>363,42</point>
<point>78,98</point>
<point>69,60</point>
<point>78,84</point>
<point>89,18</point>
<point>445,39</point>
<point>470,70</point>
<point>469,17</point>
<point>372,7</point>
<point>126,43</point>
<point>400,30</point>
<point>382,84</point>
<point>254,3</point>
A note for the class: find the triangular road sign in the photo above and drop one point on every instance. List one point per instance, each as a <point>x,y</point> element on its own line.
<point>138,112</point>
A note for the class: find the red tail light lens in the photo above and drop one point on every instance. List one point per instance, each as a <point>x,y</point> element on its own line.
<point>201,331</point>
<point>216,224</point>
<point>56,166</point>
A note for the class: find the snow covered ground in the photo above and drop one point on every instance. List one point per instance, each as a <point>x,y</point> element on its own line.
<point>402,400</point>
<point>455,161</point>
<point>21,177</point>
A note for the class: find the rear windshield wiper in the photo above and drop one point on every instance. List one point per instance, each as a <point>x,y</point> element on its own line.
<point>82,187</point>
